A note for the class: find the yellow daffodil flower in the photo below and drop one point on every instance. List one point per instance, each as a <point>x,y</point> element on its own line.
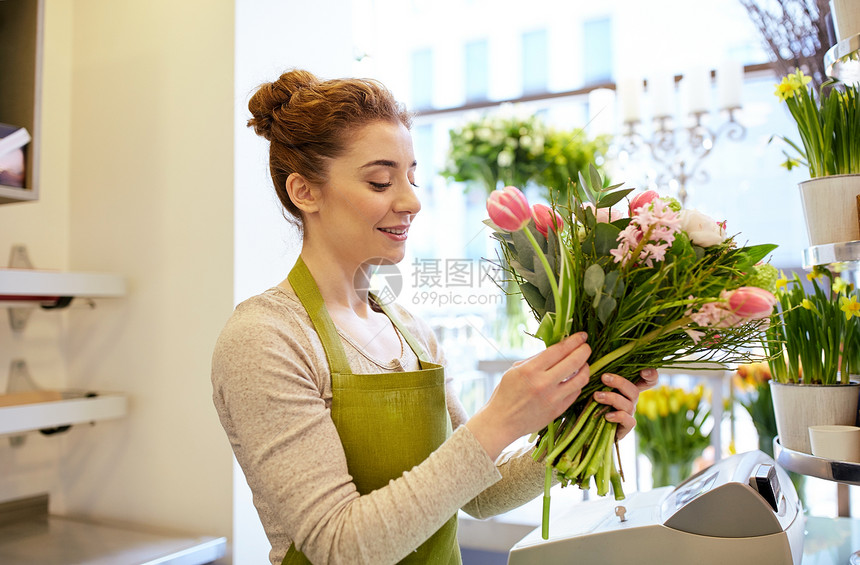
<point>784,90</point>
<point>840,286</point>
<point>781,282</point>
<point>806,303</point>
<point>791,84</point>
<point>850,306</point>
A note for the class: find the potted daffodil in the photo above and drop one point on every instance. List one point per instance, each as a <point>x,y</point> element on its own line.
<point>813,346</point>
<point>828,122</point>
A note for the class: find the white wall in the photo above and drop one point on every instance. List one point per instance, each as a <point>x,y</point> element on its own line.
<point>137,179</point>
<point>272,36</point>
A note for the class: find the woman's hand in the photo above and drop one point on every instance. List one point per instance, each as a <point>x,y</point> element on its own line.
<point>624,400</point>
<point>532,394</point>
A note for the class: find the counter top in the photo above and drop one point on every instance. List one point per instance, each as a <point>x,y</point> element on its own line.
<point>828,541</point>
<point>53,540</point>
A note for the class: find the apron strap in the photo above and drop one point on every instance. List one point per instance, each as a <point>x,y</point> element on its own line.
<point>309,294</point>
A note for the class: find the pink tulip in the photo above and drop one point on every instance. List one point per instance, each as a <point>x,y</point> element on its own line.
<point>508,208</point>
<point>546,218</point>
<point>751,302</point>
<point>604,215</point>
<point>642,199</point>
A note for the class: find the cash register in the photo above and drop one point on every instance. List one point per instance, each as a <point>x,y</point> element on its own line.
<point>743,509</point>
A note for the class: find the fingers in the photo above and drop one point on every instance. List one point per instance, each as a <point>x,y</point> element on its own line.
<point>558,352</point>
<point>623,398</point>
<point>648,379</point>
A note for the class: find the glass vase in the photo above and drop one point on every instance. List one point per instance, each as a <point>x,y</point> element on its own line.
<point>670,473</point>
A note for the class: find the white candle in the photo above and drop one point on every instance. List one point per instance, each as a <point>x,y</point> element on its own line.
<point>730,80</point>
<point>697,83</point>
<point>630,93</point>
<point>601,112</point>
<point>661,91</point>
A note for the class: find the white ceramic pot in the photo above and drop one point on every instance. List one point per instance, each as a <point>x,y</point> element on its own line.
<point>797,406</point>
<point>846,18</point>
<point>830,208</point>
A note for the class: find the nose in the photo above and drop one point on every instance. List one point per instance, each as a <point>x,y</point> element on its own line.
<point>407,201</point>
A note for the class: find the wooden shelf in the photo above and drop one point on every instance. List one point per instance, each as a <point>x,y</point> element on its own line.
<point>74,408</point>
<point>35,285</point>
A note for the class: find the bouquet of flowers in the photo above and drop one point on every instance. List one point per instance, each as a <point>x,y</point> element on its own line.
<point>828,124</point>
<point>814,338</point>
<point>655,286</point>
<point>670,431</point>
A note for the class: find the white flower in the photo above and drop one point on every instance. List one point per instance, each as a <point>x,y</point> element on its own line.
<point>505,158</point>
<point>703,230</point>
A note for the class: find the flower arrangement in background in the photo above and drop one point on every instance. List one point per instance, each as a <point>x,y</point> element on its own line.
<point>814,337</point>
<point>752,391</point>
<point>828,124</point>
<point>653,286</point>
<point>515,150</point>
<point>670,429</point>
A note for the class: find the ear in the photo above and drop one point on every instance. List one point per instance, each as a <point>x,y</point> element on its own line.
<point>304,196</point>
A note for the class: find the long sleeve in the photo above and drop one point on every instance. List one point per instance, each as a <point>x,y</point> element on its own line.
<point>272,391</point>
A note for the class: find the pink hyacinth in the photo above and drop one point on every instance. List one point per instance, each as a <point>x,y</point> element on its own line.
<point>659,223</point>
<point>508,208</point>
<point>546,218</point>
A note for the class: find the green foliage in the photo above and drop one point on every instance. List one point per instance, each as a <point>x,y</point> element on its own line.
<point>502,150</point>
<point>828,123</point>
<point>814,337</point>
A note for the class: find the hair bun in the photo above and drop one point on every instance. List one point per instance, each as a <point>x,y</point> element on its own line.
<point>271,97</point>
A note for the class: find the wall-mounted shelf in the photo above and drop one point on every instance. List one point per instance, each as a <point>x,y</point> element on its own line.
<point>37,285</point>
<point>73,408</point>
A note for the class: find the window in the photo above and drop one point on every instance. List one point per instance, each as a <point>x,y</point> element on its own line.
<point>535,61</point>
<point>477,79</point>
<point>597,51</point>
<point>422,78</point>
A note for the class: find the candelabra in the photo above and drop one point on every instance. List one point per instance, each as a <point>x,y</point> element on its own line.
<point>676,148</point>
<point>679,151</point>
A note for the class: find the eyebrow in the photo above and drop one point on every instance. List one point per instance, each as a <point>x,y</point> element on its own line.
<point>386,163</point>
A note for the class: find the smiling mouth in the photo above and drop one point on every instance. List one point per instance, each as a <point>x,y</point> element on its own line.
<point>395,231</point>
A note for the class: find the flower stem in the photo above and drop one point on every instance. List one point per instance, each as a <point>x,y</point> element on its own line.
<point>630,346</point>
<point>549,275</point>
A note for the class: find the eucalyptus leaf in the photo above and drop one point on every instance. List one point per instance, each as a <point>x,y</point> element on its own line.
<point>606,308</point>
<point>610,282</point>
<point>605,238</point>
<point>592,282</point>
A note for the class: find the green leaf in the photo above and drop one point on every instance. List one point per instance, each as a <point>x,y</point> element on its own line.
<point>593,280</point>
<point>606,308</point>
<point>535,299</point>
<point>612,283</point>
<point>611,199</point>
<point>756,253</point>
<point>545,329</point>
<point>605,238</point>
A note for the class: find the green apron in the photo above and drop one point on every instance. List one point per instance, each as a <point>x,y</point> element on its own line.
<point>387,422</point>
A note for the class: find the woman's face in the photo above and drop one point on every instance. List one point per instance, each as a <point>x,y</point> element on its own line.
<point>368,201</point>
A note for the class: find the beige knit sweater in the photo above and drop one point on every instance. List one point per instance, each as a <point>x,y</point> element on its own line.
<point>272,390</point>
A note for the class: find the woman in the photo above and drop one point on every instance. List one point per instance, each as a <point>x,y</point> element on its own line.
<point>336,405</point>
